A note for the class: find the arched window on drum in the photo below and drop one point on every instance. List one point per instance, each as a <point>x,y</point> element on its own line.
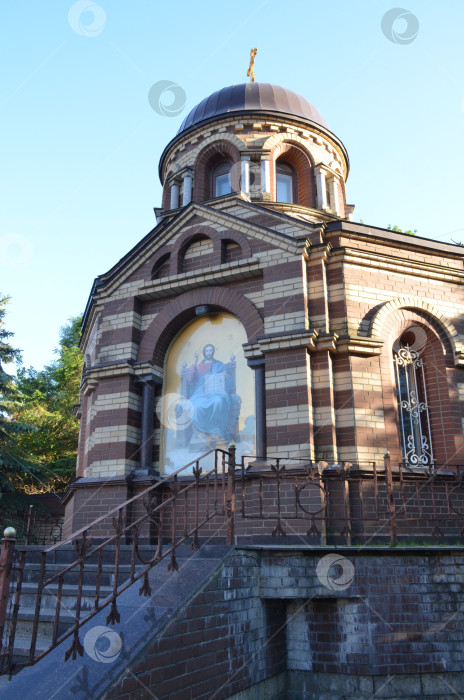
<point>221,179</point>
<point>286,185</point>
<point>414,415</point>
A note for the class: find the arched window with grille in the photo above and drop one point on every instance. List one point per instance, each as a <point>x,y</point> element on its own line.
<point>414,416</point>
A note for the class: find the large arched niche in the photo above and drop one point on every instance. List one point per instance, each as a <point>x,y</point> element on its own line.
<point>208,394</point>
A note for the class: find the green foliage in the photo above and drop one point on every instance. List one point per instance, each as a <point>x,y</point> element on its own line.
<point>400,230</point>
<point>38,430</point>
<point>15,470</point>
<point>47,400</point>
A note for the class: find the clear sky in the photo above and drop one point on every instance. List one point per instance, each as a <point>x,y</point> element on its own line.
<point>80,141</point>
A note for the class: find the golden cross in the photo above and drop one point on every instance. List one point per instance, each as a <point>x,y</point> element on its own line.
<point>250,73</point>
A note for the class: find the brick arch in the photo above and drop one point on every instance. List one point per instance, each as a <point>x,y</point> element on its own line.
<point>231,139</point>
<point>381,322</point>
<point>190,236</point>
<point>181,311</point>
<point>276,139</point>
<point>156,260</point>
<point>302,161</point>
<point>194,232</point>
<point>207,159</point>
<point>240,239</point>
<point>170,165</point>
<point>436,349</point>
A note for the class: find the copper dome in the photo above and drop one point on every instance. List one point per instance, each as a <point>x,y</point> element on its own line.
<point>252,97</point>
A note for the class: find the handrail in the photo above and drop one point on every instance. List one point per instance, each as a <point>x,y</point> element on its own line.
<point>363,500</point>
<point>218,486</point>
<point>158,484</point>
<point>293,496</point>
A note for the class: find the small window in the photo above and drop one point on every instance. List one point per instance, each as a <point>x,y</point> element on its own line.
<point>285,179</point>
<point>221,180</point>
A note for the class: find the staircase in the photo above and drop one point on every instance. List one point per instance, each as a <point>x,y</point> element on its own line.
<point>69,595</point>
<point>142,619</point>
<point>60,603</point>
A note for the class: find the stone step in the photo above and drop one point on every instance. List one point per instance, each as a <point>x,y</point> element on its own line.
<point>71,578</point>
<point>22,647</point>
<point>66,554</point>
<point>68,596</point>
<point>45,626</point>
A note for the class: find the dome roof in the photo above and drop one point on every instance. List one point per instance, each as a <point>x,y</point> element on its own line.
<point>252,97</point>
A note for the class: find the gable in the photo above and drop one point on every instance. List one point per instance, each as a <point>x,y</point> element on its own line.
<point>169,240</point>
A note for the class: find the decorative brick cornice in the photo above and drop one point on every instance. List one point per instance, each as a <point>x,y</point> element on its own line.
<point>286,341</point>
<point>359,345</point>
<point>319,252</point>
<point>252,351</point>
<point>148,370</point>
<point>108,369</point>
<point>219,274</point>
<point>298,130</point>
<point>314,342</point>
<point>390,263</point>
<point>382,236</point>
<point>89,385</point>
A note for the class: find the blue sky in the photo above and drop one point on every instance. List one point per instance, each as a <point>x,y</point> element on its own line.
<point>80,142</point>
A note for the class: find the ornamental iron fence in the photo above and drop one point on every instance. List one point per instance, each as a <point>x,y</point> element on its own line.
<point>213,497</point>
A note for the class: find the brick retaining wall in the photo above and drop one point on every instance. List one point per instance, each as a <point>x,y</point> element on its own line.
<point>395,630</point>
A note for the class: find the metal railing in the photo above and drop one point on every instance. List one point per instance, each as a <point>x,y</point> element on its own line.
<point>338,504</point>
<point>168,506</point>
<point>33,526</point>
<point>346,504</point>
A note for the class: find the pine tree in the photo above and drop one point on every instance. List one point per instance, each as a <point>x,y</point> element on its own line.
<point>14,470</point>
<point>48,397</point>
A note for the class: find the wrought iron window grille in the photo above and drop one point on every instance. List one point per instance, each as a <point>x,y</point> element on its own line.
<point>414,411</point>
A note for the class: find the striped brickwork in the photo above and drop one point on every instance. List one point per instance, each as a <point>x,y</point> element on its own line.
<point>322,302</point>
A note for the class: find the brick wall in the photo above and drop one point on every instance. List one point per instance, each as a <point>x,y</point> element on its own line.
<point>324,320</point>
<point>394,625</point>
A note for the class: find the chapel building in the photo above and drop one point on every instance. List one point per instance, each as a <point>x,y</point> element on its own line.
<point>257,313</point>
